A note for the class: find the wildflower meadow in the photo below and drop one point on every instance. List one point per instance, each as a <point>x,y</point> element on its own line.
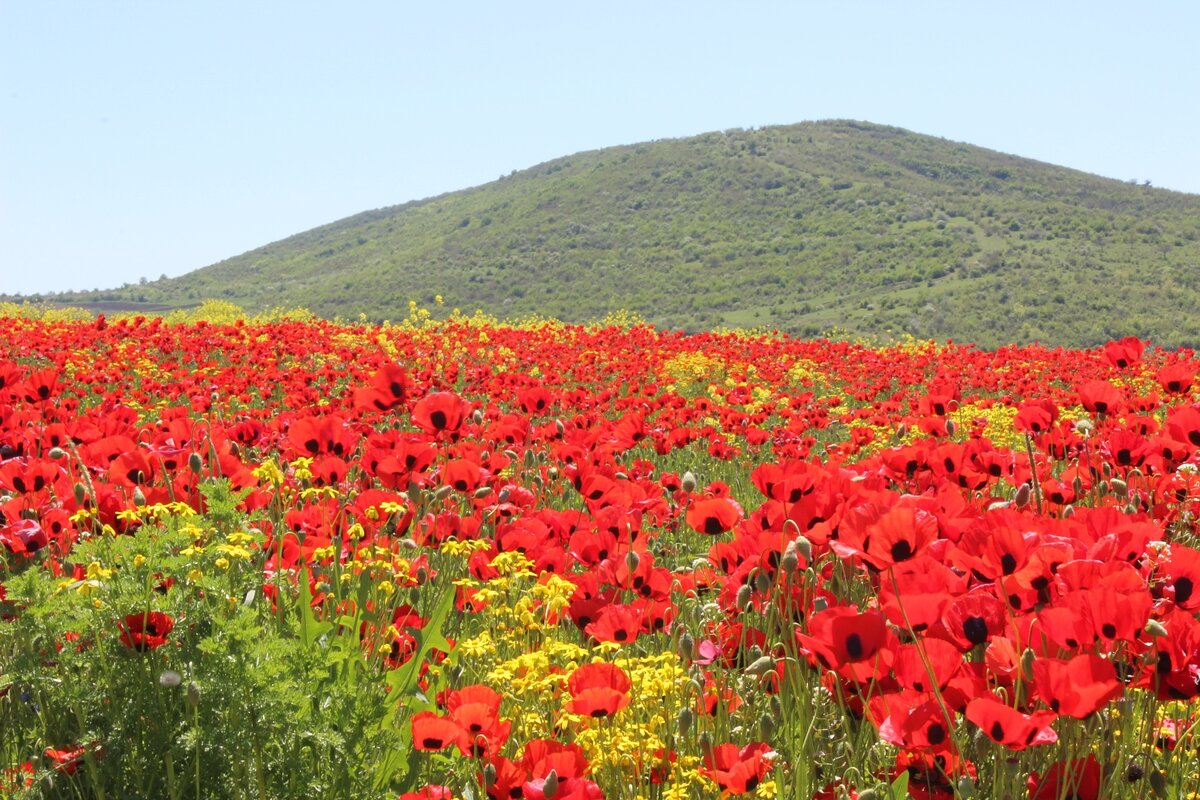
<point>458,559</point>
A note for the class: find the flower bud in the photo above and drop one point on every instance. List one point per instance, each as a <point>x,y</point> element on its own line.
<point>744,594</point>
<point>477,416</point>
<point>762,582</point>
<point>443,491</point>
<point>195,463</point>
<point>511,455</point>
<point>683,722</point>
<point>688,482</point>
<point>761,667</point>
<point>482,492</point>
<point>1118,487</point>
<point>193,694</point>
<point>632,559</point>
<point>489,776</point>
<point>766,727</point>
<point>1027,659</point>
<point>804,548</point>
<point>80,494</point>
<point>1155,629</point>
<point>139,497</point>
<point>790,562</point>
<point>550,786</point>
<point>1021,498</point>
<point>57,453</point>
<point>687,646</point>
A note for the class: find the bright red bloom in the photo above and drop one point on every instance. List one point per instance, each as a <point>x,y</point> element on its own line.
<point>388,389</point>
<point>714,515</point>
<point>1079,779</point>
<point>1078,687</point>
<point>439,412</point>
<point>598,690</point>
<point>1008,727</point>
<point>739,771</point>
<point>146,631</point>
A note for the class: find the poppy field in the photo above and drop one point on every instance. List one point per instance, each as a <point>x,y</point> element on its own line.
<point>288,557</point>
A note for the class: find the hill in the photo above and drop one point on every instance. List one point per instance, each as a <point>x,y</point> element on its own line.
<point>803,227</point>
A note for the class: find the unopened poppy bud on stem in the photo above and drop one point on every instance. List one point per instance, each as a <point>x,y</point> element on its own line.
<point>80,494</point>
<point>1155,628</point>
<point>57,453</point>
<point>1021,498</point>
<point>688,482</point>
<point>761,667</point>
<point>1118,487</point>
<point>632,559</point>
<point>744,593</point>
<point>195,463</point>
<point>804,547</point>
<point>550,786</point>
<point>482,492</point>
<point>683,722</point>
<point>766,727</point>
<point>442,491</point>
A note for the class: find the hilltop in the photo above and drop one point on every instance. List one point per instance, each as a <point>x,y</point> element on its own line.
<point>804,228</point>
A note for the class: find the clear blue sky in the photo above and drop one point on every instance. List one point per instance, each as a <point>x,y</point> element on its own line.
<point>149,138</point>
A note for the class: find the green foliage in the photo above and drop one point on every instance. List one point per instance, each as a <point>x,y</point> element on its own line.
<point>247,697</point>
<point>868,228</point>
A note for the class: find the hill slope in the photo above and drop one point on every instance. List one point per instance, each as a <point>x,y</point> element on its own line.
<point>802,227</point>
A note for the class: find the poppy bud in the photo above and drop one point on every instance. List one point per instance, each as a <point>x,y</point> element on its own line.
<point>1021,498</point>
<point>530,458</point>
<point>902,431</point>
<point>504,494</point>
<point>621,476</point>
<point>409,544</point>
<point>477,417</point>
<point>558,426</point>
<point>195,463</point>
<point>706,744</point>
<point>139,497</point>
<point>744,593</point>
<point>442,491</point>
<point>762,582</point>
<point>193,694</point>
<point>552,473</point>
<point>1158,783</point>
<point>804,547</point>
<point>766,727</point>
<point>1027,659</point>
<point>80,494</point>
<point>1106,468</point>
<point>683,722</point>
<point>550,785</point>
<point>1068,511</point>
<point>57,453</point>
<point>414,493</point>
<point>235,450</point>
<point>1103,487</point>
<point>482,492</point>
<point>688,482</point>
<point>632,559</point>
<point>950,430</point>
<point>511,454</point>
<point>761,667</point>
<point>999,504</point>
<point>820,604</point>
<point>1118,487</point>
<point>489,776</point>
<point>790,561</point>
<point>1155,629</point>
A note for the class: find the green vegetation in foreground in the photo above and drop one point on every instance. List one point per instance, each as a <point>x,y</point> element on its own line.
<point>802,227</point>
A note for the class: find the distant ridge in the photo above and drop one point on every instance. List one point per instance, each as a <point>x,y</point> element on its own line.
<point>804,228</point>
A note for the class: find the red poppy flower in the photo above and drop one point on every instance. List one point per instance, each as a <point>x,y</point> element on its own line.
<point>1008,727</point>
<point>1076,687</point>
<point>598,690</point>
<point>439,412</point>
<point>1125,352</point>
<point>431,732</point>
<point>388,389</point>
<point>841,636</point>
<point>739,770</point>
<point>1078,778</point>
<point>714,515</point>
<point>146,631</point>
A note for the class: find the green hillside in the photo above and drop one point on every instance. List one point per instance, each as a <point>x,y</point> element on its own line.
<point>802,227</point>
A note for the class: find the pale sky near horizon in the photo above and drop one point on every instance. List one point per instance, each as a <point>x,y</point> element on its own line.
<point>140,139</point>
